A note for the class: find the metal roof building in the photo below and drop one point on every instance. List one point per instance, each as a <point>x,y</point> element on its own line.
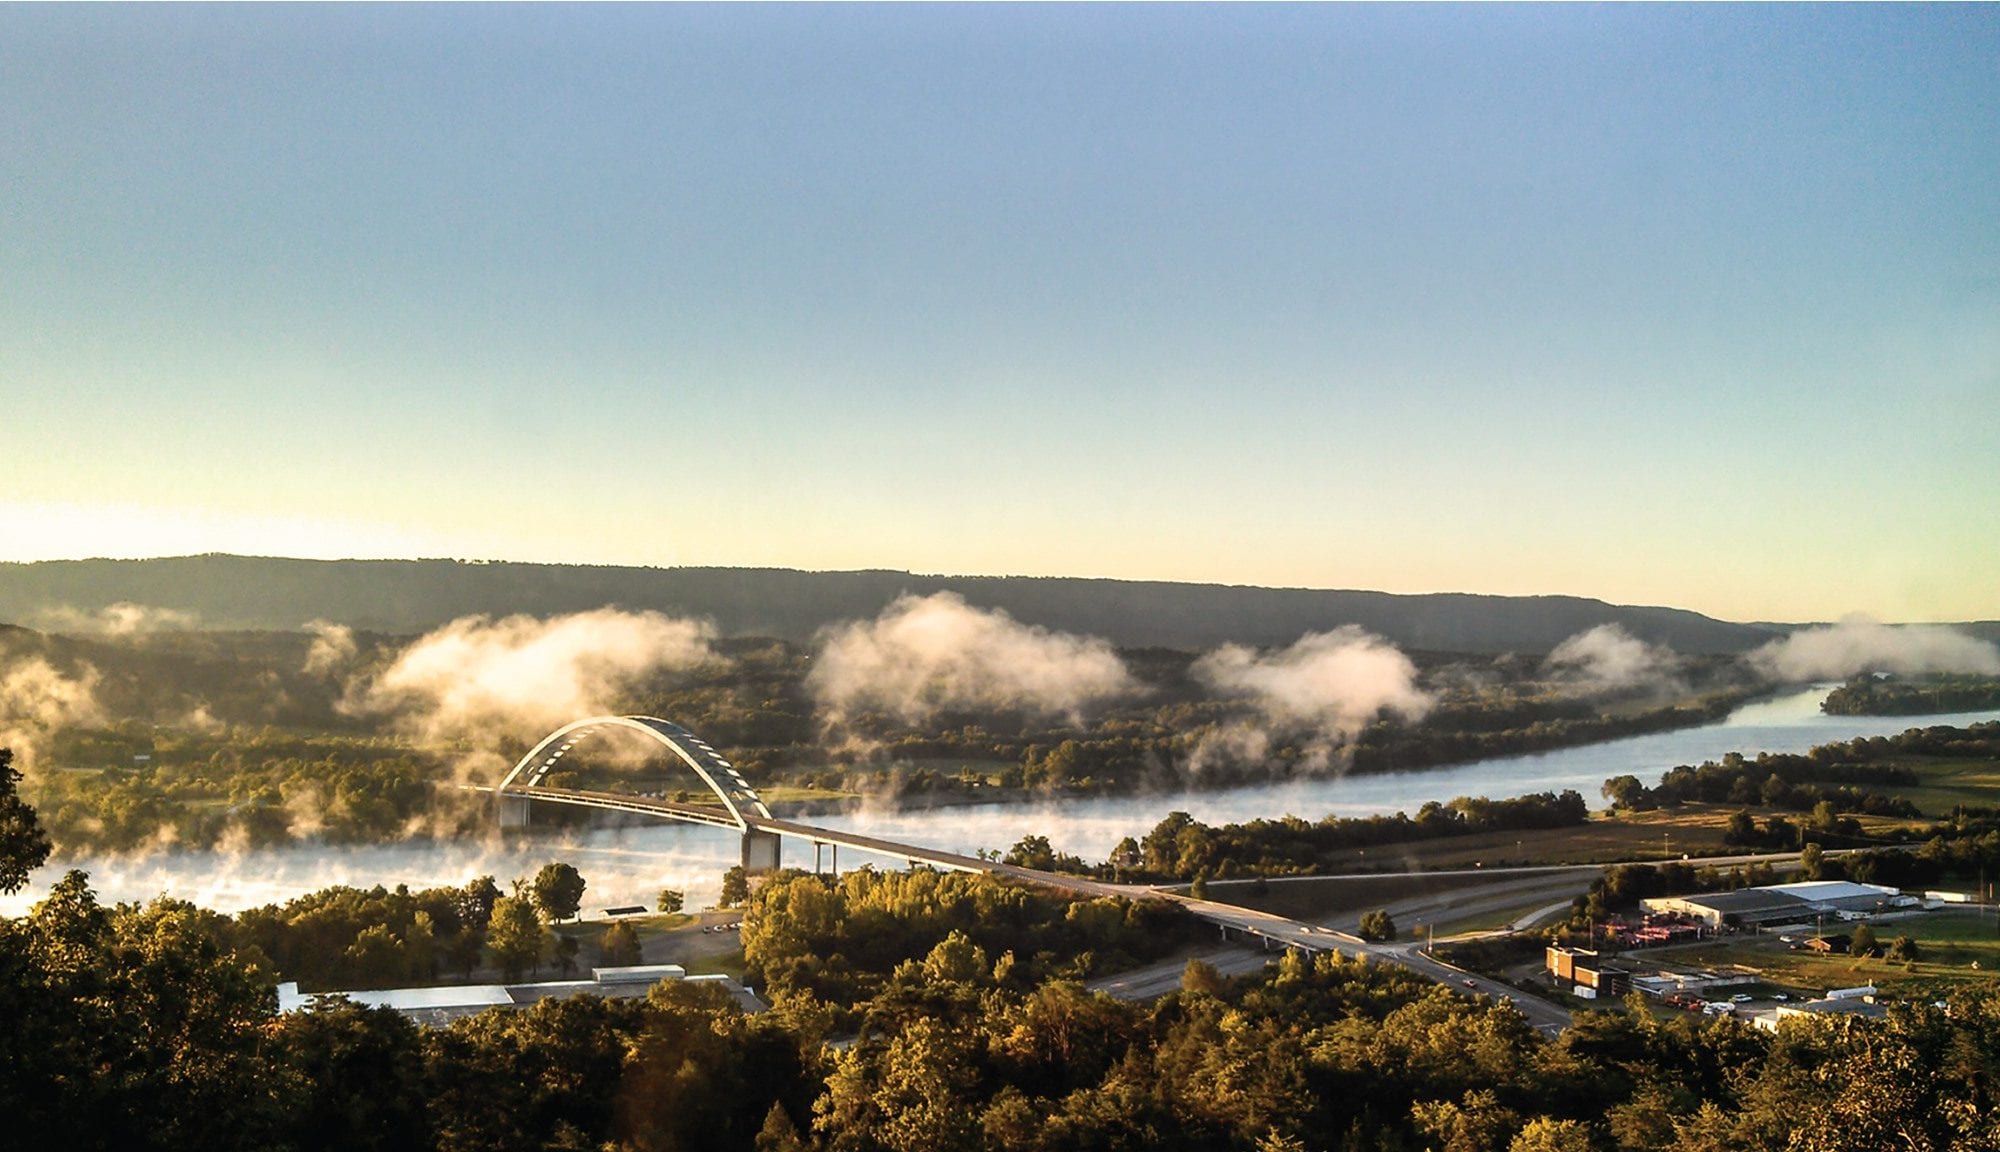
<point>1742,908</point>
<point>443,1004</point>
<point>1780,903</point>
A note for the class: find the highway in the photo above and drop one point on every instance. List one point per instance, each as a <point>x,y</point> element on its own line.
<point>1269,930</point>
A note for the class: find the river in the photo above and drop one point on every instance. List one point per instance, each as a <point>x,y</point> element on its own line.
<point>630,865</point>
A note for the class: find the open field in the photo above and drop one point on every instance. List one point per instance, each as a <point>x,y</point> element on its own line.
<point>1656,835</point>
<point>1945,784</point>
<point>1957,948</point>
<point>1446,904</point>
<point>672,939</point>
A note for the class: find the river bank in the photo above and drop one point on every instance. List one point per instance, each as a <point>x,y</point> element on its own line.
<point>629,865</point>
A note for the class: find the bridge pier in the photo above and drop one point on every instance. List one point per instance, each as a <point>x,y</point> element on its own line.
<point>761,851</point>
<point>818,847</point>
<point>511,811</point>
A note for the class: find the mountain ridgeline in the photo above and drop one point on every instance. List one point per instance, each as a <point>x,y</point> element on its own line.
<point>404,596</point>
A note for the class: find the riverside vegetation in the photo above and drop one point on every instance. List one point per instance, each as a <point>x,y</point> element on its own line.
<point>206,738</point>
<point>1885,695</point>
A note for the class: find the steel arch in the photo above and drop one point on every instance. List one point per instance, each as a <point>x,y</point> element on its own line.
<point>720,776</point>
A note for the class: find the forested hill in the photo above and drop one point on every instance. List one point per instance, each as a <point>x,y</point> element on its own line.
<point>414,595</point>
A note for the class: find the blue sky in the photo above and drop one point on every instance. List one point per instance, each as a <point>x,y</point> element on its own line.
<point>1685,305</point>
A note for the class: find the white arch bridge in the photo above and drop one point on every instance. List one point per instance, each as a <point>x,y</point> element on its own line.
<point>742,810</point>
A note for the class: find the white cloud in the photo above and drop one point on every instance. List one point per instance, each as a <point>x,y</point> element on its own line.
<point>332,648</point>
<point>121,619</point>
<point>477,678</point>
<point>924,655</point>
<point>1333,682</point>
<point>1858,644</point>
<point>37,699</point>
<point>1609,659</point>
<point>1322,690</point>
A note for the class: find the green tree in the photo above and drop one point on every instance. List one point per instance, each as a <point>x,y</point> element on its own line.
<point>1125,854</point>
<point>376,959</point>
<point>516,936</point>
<point>1545,1134</point>
<point>910,1096</point>
<point>1812,862</point>
<point>356,1078</point>
<point>1740,829</point>
<point>735,887</point>
<point>1477,1122</point>
<point>133,1027</point>
<point>464,947</point>
<point>1863,942</point>
<point>420,948</point>
<point>672,901</point>
<point>618,947</point>
<point>1377,925</point>
<point>1623,791</point>
<point>475,902</point>
<point>23,845</point>
<point>956,960</point>
<point>1903,948</point>
<point>778,1134</point>
<point>558,891</point>
<point>547,1077</point>
<point>1199,978</point>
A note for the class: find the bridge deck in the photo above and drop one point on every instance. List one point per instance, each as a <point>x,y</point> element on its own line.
<point>623,802</point>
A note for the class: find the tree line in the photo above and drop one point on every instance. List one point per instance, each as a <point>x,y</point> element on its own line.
<point>1870,694</point>
<point>1181,847</point>
<point>222,739</point>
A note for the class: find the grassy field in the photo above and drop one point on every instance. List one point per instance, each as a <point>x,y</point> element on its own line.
<point>1445,904</point>
<point>1657,835</point>
<point>792,794</point>
<point>669,939</point>
<point>1955,948</point>
<point>1944,784</point>
<point>1322,897</point>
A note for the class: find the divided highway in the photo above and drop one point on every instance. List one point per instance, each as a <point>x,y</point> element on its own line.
<point>1269,929</point>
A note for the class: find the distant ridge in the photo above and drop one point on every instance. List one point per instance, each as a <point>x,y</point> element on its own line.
<point>405,596</point>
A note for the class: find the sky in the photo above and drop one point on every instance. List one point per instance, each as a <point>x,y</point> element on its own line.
<point>1695,306</point>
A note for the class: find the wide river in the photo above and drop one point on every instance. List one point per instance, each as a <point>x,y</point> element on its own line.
<point>630,865</point>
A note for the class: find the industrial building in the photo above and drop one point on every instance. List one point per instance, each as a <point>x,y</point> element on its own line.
<point>437,1006</point>
<point>1583,972</point>
<point>1858,1003</point>
<point>1800,903</point>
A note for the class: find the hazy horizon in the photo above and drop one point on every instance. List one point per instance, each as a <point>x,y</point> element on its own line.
<point>1692,306</point>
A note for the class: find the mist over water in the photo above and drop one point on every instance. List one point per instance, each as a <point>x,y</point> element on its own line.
<point>622,866</point>
<point>630,865</point>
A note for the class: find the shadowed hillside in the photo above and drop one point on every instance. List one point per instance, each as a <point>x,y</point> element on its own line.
<point>413,595</point>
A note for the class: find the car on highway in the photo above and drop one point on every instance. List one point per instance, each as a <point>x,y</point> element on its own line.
<point>1470,983</point>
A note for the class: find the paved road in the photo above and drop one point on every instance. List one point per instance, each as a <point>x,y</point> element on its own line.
<point>1247,923</point>
<point>1156,980</point>
<point>1544,1016</point>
